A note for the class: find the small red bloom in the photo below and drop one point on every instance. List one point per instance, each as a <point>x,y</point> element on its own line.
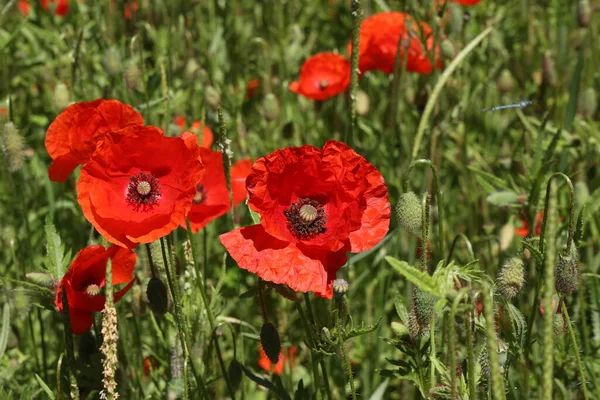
<point>3,111</point>
<point>251,88</point>
<point>139,185</point>
<point>290,355</point>
<point>85,279</point>
<point>207,134</point>
<point>24,7</point>
<point>73,136</point>
<point>130,9</point>
<point>379,37</point>
<point>315,206</point>
<point>150,364</point>
<point>467,2</point>
<point>523,231</point>
<point>60,7</point>
<point>212,197</point>
<point>322,76</point>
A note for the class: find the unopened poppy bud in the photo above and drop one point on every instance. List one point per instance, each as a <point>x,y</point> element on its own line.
<point>511,277</point>
<point>11,142</point>
<point>423,303</point>
<point>191,68</point>
<point>559,325</point>
<point>340,287</point>
<point>61,96</point>
<point>588,103</point>
<point>271,106</point>
<point>112,61</point>
<point>362,103</point>
<point>399,329</point>
<point>567,274</point>
<point>288,130</point>
<point>42,279</point>
<point>235,374</point>
<point>212,96</point>
<point>408,213</point>
<point>157,296</point>
<point>548,70</point>
<point>456,19</point>
<point>132,76</point>
<point>584,13</point>
<point>505,81</point>
<point>447,49</point>
<point>269,340</point>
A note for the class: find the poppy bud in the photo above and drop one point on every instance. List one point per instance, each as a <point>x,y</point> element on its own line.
<point>271,106</point>
<point>400,330</point>
<point>132,76</point>
<point>408,213</point>
<point>362,103</point>
<point>11,142</point>
<point>61,96</point>
<point>456,19</point>
<point>269,340</point>
<point>8,235</point>
<point>191,68</point>
<point>340,287</point>
<point>42,279</point>
<point>447,49</point>
<point>588,103</point>
<point>423,303</point>
<point>559,325</point>
<point>548,70</point>
<point>511,278</point>
<point>288,130</point>
<point>505,81</point>
<point>583,13</point>
<point>235,374</point>
<point>567,274</point>
<point>212,96</point>
<point>112,61</point>
<point>157,296</point>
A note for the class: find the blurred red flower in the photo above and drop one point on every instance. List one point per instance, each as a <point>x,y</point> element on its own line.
<point>24,7</point>
<point>60,7</point>
<point>73,136</point>
<point>85,279</point>
<point>212,197</point>
<point>150,364</point>
<point>130,9</point>
<point>251,88</point>
<point>322,76</point>
<point>523,231</point>
<point>289,355</point>
<point>139,185</point>
<point>315,206</point>
<point>207,133</point>
<point>379,37</point>
<point>467,2</point>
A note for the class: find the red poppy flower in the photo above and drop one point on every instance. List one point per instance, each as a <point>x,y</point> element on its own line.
<point>60,7</point>
<point>207,133</point>
<point>73,136</point>
<point>85,279</point>
<point>379,37</point>
<point>467,2</point>
<point>139,185</point>
<point>150,364</point>
<point>315,206</point>
<point>289,356</point>
<point>322,76</point>
<point>523,231</point>
<point>251,88</point>
<point>3,111</point>
<point>212,197</point>
<point>24,7</point>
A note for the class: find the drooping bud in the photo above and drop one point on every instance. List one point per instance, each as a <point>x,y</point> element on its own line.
<point>447,49</point>
<point>588,103</point>
<point>408,213</point>
<point>61,96</point>
<point>191,68</point>
<point>340,287</point>
<point>505,81</point>
<point>584,13</point>
<point>271,106</point>
<point>42,279</point>
<point>362,103</point>
<point>421,314</point>
<point>548,70</point>
<point>212,96</point>
<point>157,296</point>
<point>235,374</point>
<point>511,277</point>
<point>559,325</point>
<point>567,274</point>
<point>269,340</point>
<point>11,142</point>
<point>456,18</point>
<point>132,76</point>
<point>112,61</point>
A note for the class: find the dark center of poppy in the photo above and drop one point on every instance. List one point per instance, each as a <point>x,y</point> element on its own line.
<point>143,191</point>
<point>323,84</point>
<point>306,219</point>
<point>200,196</point>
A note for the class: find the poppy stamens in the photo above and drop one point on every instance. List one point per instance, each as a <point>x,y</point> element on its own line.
<point>93,290</point>
<point>200,196</point>
<point>143,191</point>
<point>323,84</point>
<point>306,219</point>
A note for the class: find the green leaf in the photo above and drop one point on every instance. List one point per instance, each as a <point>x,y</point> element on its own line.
<point>4,329</point>
<point>518,323</point>
<point>379,393</point>
<point>255,216</point>
<point>418,278</point>
<point>54,250</point>
<point>401,308</point>
<point>490,179</point>
<point>503,198</point>
<point>45,387</point>
<point>574,91</point>
<point>266,384</point>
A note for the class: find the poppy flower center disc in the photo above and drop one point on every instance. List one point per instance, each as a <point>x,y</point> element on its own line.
<point>306,219</point>
<point>200,196</point>
<point>93,290</point>
<point>143,191</point>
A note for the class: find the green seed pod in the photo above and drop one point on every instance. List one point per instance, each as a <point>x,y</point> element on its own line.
<point>12,145</point>
<point>271,106</point>
<point>423,304</point>
<point>584,13</point>
<point>456,19</point>
<point>61,96</point>
<point>511,277</point>
<point>408,213</point>
<point>112,61</point>
<point>212,96</point>
<point>42,279</point>
<point>567,274</point>
<point>447,49</point>
<point>588,103</point>
<point>191,68</point>
<point>157,296</point>
<point>548,70</point>
<point>269,340</point>
<point>505,81</point>
<point>399,329</point>
<point>132,76</point>
<point>362,103</point>
<point>559,325</point>
<point>235,374</point>
<point>340,287</point>
<point>414,329</point>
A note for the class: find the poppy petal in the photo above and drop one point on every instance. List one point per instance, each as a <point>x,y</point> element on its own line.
<point>81,320</point>
<point>239,173</point>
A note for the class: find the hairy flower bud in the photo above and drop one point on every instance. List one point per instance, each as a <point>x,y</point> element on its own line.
<point>505,81</point>
<point>212,96</point>
<point>12,145</point>
<point>271,106</point>
<point>447,49</point>
<point>132,76</point>
<point>269,340</point>
<point>511,277</point>
<point>408,213</point>
<point>157,296</point>
<point>567,274</point>
<point>584,13</point>
<point>112,61</point>
<point>421,313</point>
<point>362,103</point>
<point>548,70</point>
<point>61,96</point>
<point>588,103</point>
<point>559,325</point>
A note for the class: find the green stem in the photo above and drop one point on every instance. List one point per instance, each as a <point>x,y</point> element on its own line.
<point>471,357</point>
<point>425,209</point>
<point>492,343</point>
<point>467,243</point>
<point>223,145</point>
<point>311,344</point>
<point>311,319</point>
<point>452,341</point>
<point>348,369</point>
<point>356,21</point>
<point>575,350</point>
<point>74,388</point>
